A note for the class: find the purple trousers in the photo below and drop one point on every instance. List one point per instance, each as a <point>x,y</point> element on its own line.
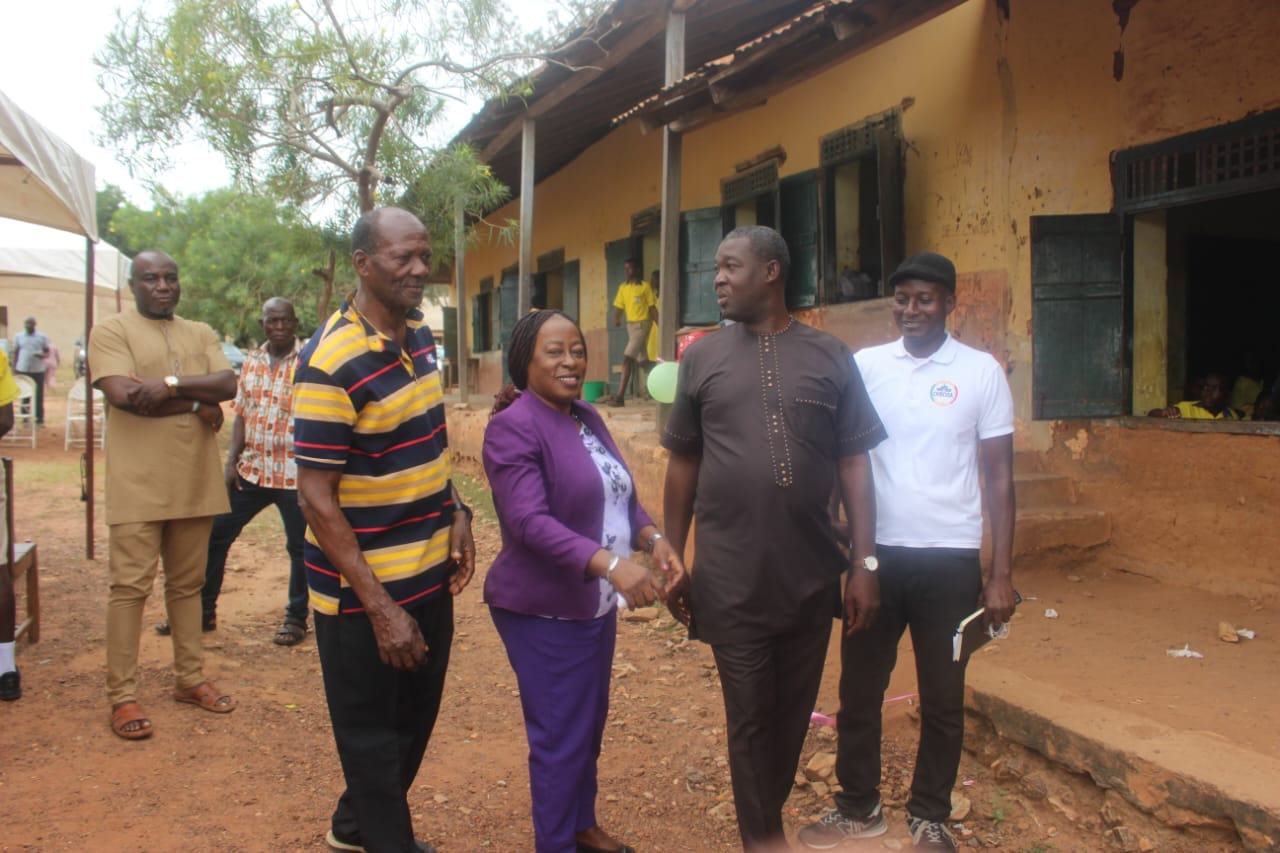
<point>563,668</point>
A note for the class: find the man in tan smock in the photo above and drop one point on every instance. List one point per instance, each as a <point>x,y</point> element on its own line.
<point>164,378</point>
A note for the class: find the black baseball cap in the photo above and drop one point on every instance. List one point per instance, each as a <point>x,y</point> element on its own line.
<point>926,266</point>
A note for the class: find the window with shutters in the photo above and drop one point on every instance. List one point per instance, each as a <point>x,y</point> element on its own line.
<point>862,223</point>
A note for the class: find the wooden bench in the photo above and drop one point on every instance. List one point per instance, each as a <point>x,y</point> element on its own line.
<point>22,561</point>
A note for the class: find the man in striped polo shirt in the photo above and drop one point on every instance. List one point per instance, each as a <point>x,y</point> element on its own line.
<point>388,541</point>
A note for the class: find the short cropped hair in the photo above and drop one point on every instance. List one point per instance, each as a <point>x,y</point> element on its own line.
<point>767,244</point>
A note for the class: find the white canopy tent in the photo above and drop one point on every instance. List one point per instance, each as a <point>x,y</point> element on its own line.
<point>44,181</point>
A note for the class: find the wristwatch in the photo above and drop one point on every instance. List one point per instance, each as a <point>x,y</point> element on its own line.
<point>871,564</point>
<point>171,382</point>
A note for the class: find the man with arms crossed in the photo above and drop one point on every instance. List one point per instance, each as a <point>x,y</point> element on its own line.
<point>389,541</point>
<point>768,414</point>
<point>948,409</point>
<point>165,379</point>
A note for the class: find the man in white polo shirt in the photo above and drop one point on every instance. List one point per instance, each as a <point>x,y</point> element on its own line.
<point>948,411</point>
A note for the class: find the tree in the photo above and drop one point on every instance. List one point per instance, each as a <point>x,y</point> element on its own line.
<point>311,97</point>
<point>234,251</point>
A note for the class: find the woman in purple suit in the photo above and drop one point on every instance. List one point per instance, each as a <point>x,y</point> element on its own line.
<point>570,523</point>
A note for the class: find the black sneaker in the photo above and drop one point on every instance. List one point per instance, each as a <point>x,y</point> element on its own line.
<point>835,829</point>
<point>930,834</point>
<point>11,686</point>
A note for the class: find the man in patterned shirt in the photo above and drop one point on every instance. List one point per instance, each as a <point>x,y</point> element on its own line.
<point>389,541</point>
<point>260,469</point>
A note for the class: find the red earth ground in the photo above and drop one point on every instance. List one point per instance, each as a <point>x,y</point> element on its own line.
<point>266,776</point>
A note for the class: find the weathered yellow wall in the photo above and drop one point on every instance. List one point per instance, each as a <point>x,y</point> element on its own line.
<point>1003,120</point>
<point>582,207</point>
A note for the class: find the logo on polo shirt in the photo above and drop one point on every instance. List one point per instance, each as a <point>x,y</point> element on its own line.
<point>944,393</point>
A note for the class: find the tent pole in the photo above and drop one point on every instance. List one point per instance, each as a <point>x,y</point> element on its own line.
<point>88,421</point>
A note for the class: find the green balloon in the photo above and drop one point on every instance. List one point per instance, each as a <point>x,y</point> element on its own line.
<point>662,381</point>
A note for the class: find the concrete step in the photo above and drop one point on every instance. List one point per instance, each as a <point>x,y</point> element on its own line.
<point>1037,488</point>
<point>1183,778</point>
<point>1059,526</point>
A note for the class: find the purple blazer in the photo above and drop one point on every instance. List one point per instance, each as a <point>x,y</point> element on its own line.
<point>550,503</point>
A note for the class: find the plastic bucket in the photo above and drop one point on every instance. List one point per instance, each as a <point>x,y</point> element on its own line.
<point>592,391</point>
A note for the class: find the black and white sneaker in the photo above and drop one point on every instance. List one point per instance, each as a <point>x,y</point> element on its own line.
<point>834,829</point>
<point>930,834</point>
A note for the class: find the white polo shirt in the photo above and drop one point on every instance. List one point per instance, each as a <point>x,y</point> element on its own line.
<point>935,410</point>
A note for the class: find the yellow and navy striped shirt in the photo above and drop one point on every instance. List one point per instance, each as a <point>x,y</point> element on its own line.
<point>376,412</point>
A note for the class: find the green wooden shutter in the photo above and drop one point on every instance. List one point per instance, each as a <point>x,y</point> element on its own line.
<point>800,230</point>
<point>508,313</point>
<point>569,290</point>
<point>893,239</point>
<point>700,234</point>
<point>479,323</point>
<point>450,332</point>
<point>1077,292</point>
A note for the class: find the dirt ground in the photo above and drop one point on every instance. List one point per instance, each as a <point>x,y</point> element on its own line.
<point>266,776</point>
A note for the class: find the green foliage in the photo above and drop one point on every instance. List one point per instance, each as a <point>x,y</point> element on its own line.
<point>110,199</point>
<point>234,251</point>
<point>456,176</point>
<point>307,98</point>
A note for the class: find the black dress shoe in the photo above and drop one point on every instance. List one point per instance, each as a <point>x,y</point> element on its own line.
<point>587,848</point>
<point>11,686</point>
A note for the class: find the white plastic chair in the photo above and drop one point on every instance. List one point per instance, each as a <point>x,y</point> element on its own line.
<point>78,413</point>
<point>24,413</point>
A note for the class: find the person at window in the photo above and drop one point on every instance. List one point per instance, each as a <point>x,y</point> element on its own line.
<point>769,414</point>
<point>1211,405</point>
<point>636,302</point>
<point>570,521</point>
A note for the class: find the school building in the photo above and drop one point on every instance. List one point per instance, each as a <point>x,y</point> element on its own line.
<point>1104,173</point>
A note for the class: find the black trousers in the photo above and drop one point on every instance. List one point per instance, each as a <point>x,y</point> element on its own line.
<point>928,590</point>
<point>382,719</point>
<point>769,688</point>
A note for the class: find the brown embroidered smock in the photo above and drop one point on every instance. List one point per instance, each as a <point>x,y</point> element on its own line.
<point>771,415</point>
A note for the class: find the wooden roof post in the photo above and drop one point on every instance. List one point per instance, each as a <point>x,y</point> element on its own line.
<point>672,153</point>
<point>460,315</point>
<point>524,289</point>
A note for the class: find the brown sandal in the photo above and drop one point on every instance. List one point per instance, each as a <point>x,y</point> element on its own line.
<point>130,712</point>
<point>206,696</point>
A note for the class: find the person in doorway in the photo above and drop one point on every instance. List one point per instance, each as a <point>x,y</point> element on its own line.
<point>570,521</point>
<point>651,349</point>
<point>260,470</point>
<point>10,677</point>
<point>30,349</point>
<point>1210,405</point>
<point>635,301</point>
<point>389,542</point>
<point>769,414</point>
<point>164,378</point>
<point>949,413</point>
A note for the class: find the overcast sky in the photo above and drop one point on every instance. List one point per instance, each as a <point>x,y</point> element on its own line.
<point>46,67</point>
